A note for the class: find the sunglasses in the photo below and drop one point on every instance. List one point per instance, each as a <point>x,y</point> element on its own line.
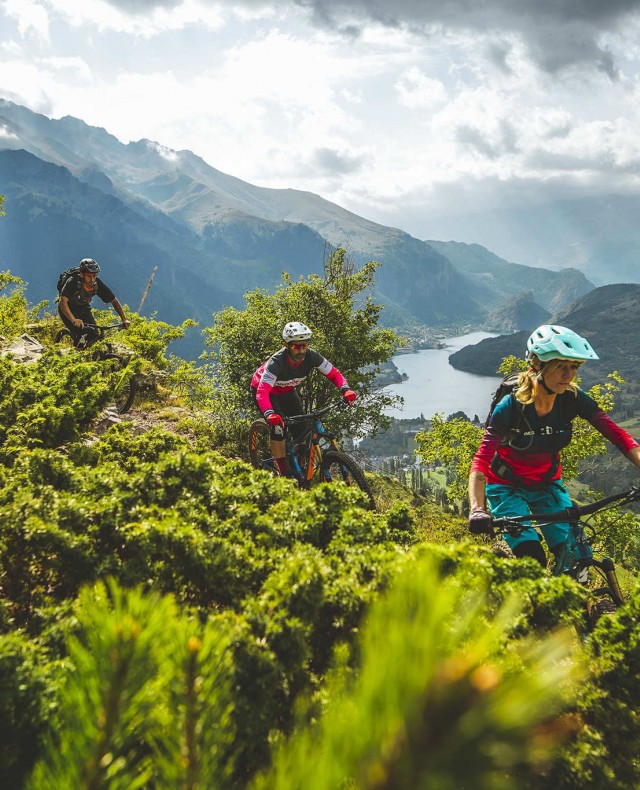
<point>298,346</point>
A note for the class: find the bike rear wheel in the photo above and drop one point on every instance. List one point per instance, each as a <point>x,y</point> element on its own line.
<point>340,466</point>
<point>260,446</point>
<point>126,385</point>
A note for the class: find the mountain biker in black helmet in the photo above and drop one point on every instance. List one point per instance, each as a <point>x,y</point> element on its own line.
<point>74,307</point>
<point>274,384</point>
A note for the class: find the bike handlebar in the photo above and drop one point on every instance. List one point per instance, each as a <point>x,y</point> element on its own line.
<point>313,415</point>
<point>571,514</point>
<point>103,327</point>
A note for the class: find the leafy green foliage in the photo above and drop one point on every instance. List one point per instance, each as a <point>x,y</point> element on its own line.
<point>13,305</point>
<point>147,698</point>
<point>344,324</point>
<point>168,614</point>
<point>50,402</point>
<point>452,443</point>
<point>148,337</point>
<point>29,685</point>
<point>445,708</point>
<point>147,511</point>
<point>605,754</point>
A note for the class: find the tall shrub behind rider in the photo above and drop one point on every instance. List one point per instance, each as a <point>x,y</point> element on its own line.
<point>517,468</point>
<point>274,384</point>
<point>74,307</point>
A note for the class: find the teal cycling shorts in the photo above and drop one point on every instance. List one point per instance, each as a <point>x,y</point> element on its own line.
<point>509,501</point>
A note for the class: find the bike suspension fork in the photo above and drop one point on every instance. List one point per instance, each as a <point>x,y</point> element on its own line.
<point>612,579</point>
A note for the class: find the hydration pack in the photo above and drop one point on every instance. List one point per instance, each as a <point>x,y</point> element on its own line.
<point>64,277</point>
<point>516,415</point>
<point>506,387</point>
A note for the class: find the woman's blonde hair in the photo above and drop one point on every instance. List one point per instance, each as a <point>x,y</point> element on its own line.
<point>524,391</point>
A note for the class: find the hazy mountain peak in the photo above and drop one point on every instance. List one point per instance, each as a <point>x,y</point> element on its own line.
<point>236,235</point>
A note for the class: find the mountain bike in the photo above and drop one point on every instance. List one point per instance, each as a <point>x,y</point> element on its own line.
<point>598,575</point>
<point>312,451</point>
<point>117,358</point>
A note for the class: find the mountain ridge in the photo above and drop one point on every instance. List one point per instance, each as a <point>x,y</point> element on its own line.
<point>604,316</point>
<point>234,236</point>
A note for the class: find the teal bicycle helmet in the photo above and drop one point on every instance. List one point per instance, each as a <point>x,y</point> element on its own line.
<point>557,342</point>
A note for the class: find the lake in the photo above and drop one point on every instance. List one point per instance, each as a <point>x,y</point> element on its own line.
<point>435,386</point>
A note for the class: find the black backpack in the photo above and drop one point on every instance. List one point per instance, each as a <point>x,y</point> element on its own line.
<point>506,387</point>
<point>64,278</point>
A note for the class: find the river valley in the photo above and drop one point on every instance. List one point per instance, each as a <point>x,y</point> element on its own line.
<point>433,385</point>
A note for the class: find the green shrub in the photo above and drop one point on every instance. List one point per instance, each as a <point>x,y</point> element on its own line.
<point>436,702</point>
<point>29,684</point>
<point>147,699</point>
<point>605,755</point>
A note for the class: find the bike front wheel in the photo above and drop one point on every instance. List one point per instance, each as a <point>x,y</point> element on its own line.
<point>260,446</point>
<point>340,466</point>
<point>126,386</point>
<point>64,339</point>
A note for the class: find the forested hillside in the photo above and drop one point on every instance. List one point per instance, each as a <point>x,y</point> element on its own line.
<point>75,191</point>
<point>607,316</point>
<point>170,617</point>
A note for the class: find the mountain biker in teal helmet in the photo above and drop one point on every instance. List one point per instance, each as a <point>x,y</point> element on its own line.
<point>74,307</point>
<point>517,468</point>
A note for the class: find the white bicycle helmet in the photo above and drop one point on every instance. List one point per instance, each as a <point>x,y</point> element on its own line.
<point>295,331</point>
<point>557,342</point>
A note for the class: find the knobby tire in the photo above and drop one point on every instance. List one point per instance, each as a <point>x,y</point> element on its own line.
<point>596,609</point>
<point>64,338</point>
<point>260,446</point>
<point>341,466</point>
<point>125,396</point>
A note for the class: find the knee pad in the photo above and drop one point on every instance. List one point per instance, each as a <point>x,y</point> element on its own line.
<point>531,548</point>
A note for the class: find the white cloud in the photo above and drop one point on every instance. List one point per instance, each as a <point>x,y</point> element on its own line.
<point>166,153</point>
<point>416,89</point>
<point>387,120</point>
<point>31,18</point>
<point>154,21</point>
<point>7,134</point>
<point>76,65</point>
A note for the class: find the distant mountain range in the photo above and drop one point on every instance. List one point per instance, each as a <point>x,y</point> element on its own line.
<point>599,235</point>
<point>72,190</point>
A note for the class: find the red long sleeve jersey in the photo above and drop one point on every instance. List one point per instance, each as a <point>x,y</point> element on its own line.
<point>279,375</point>
<point>531,450</point>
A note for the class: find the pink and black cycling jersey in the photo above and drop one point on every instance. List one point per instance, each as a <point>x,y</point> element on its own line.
<point>278,375</point>
<point>535,440</point>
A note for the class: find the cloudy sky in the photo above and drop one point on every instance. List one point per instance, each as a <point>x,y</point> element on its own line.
<point>403,111</point>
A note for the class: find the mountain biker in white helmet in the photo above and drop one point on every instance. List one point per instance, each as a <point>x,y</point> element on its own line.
<point>74,307</point>
<point>517,469</point>
<point>274,384</point>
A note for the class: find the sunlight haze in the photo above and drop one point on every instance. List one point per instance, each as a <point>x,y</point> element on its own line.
<point>411,114</point>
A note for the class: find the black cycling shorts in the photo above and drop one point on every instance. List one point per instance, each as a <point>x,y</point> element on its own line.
<point>286,404</point>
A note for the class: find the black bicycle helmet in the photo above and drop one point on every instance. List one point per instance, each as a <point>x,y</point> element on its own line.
<point>89,265</point>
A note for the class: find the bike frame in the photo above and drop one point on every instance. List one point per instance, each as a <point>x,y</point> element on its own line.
<point>513,525</point>
<point>314,439</point>
<point>102,329</point>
